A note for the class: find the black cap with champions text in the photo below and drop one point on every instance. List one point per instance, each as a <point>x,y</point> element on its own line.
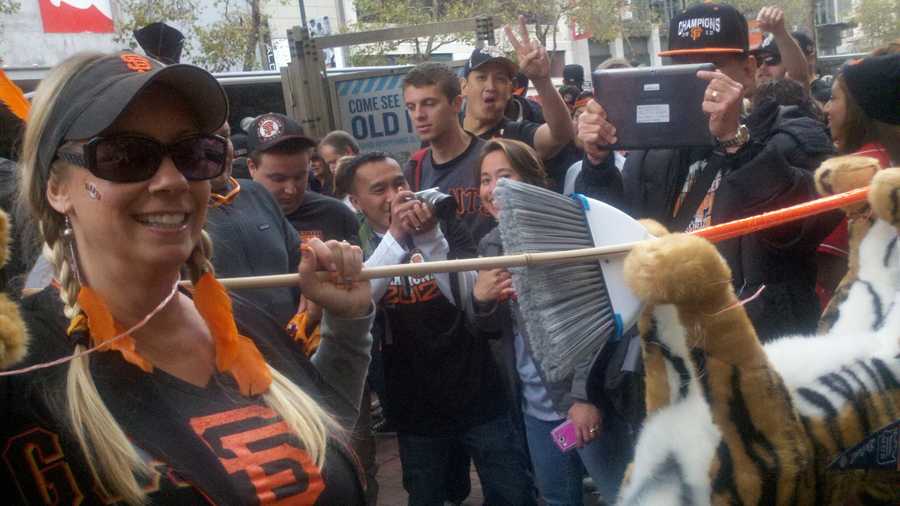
<point>483,56</point>
<point>273,129</point>
<point>708,28</point>
<point>94,98</point>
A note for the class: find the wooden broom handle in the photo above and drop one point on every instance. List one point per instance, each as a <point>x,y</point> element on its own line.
<point>715,233</point>
<point>421,269</point>
<point>778,217</point>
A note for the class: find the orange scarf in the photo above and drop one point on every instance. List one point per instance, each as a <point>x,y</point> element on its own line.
<point>235,354</point>
<point>216,200</point>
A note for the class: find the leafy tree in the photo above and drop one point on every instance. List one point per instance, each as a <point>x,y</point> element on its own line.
<point>135,14</point>
<point>375,14</point>
<point>606,20</point>
<point>232,41</point>
<point>7,7</point>
<point>879,21</point>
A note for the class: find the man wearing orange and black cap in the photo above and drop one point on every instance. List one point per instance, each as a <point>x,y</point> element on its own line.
<point>760,162</point>
<point>279,160</point>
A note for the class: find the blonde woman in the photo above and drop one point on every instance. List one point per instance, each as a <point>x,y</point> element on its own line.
<point>177,406</point>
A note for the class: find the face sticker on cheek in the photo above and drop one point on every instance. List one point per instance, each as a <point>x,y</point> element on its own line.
<point>92,190</point>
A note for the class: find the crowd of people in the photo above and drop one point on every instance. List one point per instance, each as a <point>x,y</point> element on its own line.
<point>126,181</point>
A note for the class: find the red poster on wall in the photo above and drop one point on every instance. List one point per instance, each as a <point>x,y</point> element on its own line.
<point>76,16</point>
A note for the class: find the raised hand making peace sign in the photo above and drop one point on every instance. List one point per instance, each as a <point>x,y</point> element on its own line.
<point>532,56</point>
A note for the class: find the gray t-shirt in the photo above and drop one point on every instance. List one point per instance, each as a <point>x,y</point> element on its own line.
<point>460,178</point>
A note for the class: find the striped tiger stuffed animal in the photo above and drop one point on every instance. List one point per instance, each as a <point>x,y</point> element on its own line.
<point>733,422</point>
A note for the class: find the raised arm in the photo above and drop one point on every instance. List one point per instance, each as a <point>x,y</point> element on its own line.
<point>771,20</point>
<point>535,64</point>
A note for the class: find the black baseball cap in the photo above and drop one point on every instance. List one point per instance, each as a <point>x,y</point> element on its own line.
<point>768,46</point>
<point>805,42</point>
<point>161,41</point>
<point>573,74</point>
<point>482,56</point>
<point>273,129</point>
<point>874,83</point>
<point>239,141</point>
<point>520,84</point>
<point>708,28</point>
<point>94,98</point>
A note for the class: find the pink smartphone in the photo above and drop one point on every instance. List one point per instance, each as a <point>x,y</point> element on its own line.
<point>565,435</point>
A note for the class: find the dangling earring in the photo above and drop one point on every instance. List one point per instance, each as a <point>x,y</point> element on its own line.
<point>68,236</point>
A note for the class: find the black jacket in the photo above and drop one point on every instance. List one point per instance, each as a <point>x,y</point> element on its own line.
<point>774,170</point>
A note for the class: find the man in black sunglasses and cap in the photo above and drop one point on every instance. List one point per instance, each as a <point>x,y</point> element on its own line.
<point>279,159</point>
<point>779,56</point>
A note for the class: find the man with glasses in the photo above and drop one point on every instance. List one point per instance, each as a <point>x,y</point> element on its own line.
<point>760,162</point>
<point>779,56</point>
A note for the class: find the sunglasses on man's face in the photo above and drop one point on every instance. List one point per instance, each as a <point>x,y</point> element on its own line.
<point>134,158</point>
<point>768,60</point>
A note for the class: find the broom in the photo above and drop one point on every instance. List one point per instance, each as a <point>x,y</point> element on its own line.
<point>571,313</point>
<point>582,301</point>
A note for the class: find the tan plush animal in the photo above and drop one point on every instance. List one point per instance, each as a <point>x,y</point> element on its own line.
<point>838,175</point>
<point>733,422</point>
<point>13,334</point>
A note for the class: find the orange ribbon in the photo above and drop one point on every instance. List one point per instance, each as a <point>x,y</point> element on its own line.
<point>216,200</point>
<point>103,328</point>
<point>236,355</point>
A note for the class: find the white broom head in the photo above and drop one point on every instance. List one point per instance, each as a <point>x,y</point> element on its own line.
<point>569,311</point>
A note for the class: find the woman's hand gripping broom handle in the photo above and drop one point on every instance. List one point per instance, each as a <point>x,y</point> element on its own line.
<point>715,233</point>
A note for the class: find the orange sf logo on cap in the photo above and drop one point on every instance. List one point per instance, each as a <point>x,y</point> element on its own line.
<point>136,63</point>
<point>696,32</point>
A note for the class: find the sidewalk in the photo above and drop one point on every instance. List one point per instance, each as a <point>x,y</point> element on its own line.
<point>390,478</point>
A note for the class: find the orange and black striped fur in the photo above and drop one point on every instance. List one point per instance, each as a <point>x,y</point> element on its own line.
<point>733,422</point>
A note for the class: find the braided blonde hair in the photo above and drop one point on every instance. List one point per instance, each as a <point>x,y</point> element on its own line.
<point>113,460</point>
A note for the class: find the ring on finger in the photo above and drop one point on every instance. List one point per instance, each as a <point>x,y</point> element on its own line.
<point>715,95</point>
<point>593,430</point>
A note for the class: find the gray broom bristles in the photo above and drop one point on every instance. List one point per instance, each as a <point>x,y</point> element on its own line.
<point>566,310</point>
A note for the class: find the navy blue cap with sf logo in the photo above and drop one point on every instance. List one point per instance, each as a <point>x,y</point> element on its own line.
<point>272,129</point>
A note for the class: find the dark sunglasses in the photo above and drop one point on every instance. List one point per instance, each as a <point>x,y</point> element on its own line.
<point>770,60</point>
<point>134,158</point>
